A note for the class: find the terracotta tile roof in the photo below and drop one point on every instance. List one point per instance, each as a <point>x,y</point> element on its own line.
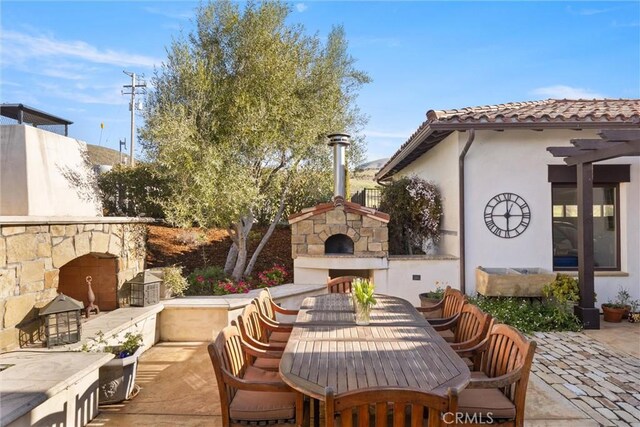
<point>549,113</point>
<point>349,207</point>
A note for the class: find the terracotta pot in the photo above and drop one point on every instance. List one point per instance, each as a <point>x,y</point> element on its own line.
<point>426,301</point>
<point>612,314</point>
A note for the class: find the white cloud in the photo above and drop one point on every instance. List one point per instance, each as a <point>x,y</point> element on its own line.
<point>169,14</point>
<point>19,47</point>
<point>562,91</point>
<point>589,11</point>
<point>301,7</point>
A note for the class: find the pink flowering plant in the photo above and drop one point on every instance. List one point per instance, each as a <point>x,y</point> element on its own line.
<point>273,276</point>
<point>228,286</point>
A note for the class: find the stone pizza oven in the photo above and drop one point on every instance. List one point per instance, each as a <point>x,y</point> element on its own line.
<point>339,237</point>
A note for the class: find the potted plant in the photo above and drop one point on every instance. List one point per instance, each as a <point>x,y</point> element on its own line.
<point>363,299</point>
<point>615,310</point>
<point>117,377</point>
<point>429,299</point>
<point>634,315</point>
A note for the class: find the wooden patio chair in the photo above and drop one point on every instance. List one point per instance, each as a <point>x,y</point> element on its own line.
<point>451,305</point>
<point>340,285</point>
<point>276,331</point>
<point>499,387</point>
<point>261,353</point>
<point>382,406</point>
<point>248,395</point>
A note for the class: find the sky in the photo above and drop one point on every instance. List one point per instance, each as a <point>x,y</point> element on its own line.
<point>68,58</point>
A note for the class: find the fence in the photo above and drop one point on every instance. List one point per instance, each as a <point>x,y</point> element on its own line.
<point>369,197</point>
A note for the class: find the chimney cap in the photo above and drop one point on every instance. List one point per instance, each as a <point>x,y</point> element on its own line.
<point>339,138</point>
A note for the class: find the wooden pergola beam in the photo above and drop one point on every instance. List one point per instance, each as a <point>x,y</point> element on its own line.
<point>592,144</point>
<point>630,148</point>
<point>620,134</point>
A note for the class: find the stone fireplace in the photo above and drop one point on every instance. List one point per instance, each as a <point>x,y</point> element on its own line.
<point>53,235</point>
<point>339,237</point>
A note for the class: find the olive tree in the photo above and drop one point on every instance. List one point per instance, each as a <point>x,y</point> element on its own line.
<point>240,109</point>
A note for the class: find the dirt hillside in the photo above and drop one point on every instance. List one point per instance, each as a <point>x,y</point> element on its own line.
<point>195,248</point>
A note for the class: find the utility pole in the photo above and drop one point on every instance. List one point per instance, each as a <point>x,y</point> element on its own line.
<point>133,91</point>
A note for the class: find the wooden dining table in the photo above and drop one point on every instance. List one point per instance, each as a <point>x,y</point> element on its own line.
<point>399,348</point>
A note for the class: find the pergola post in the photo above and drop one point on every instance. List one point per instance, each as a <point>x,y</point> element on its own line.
<point>585,310</point>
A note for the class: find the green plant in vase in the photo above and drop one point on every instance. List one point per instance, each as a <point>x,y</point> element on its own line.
<point>362,291</point>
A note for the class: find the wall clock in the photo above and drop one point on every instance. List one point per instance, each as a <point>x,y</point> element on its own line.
<point>507,215</point>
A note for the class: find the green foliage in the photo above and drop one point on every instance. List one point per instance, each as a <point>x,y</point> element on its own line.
<point>136,191</point>
<point>123,348</point>
<point>623,299</point>
<point>363,290</point>
<point>204,281</point>
<point>529,316</point>
<point>565,288</point>
<point>438,293</point>
<point>174,280</point>
<point>415,207</point>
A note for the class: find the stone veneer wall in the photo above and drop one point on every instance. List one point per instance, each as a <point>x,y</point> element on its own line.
<point>32,253</point>
<point>370,235</point>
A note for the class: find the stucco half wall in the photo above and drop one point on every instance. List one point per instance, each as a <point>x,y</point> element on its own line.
<point>43,173</point>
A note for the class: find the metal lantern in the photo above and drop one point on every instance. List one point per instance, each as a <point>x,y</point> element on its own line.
<point>145,289</point>
<point>61,320</point>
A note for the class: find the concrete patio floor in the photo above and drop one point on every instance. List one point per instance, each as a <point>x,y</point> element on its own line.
<point>178,388</point>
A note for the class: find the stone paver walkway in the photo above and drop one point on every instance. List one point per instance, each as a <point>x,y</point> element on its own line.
<point>601,382</point>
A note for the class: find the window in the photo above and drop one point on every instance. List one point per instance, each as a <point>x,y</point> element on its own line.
<point>606,229</point>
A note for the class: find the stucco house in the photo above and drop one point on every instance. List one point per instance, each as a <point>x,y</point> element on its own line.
<point>509,203</point>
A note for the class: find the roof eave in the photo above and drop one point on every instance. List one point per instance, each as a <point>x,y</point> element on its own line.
<point>387,171</point>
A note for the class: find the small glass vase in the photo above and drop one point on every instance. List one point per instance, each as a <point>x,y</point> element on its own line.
<point>363,314</point>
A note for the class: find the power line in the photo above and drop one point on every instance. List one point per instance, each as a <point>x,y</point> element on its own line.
<point>138,87</point>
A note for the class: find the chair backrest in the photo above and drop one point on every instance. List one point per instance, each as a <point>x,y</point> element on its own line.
<point>508,350</point>
<point>227,356</point>
<point>249,325</point>
<point>264,304</point>
<point>472,326</point>
<point>388,407</point>
<point>340,285</point>
<point>453,302</point>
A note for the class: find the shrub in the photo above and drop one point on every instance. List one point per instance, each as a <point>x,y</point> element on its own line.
<point>204,281</point>
<point>529,316</point>
<point>132,191</point>
<point>228,286</point>
<point>415,207</point>
<point>273,276</point>
<point>174,280</point>
<point>563,289</point>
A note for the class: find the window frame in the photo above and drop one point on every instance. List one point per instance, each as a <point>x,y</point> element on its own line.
<point>616,187</point>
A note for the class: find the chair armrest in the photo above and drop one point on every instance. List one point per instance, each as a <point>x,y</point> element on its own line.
<point>441,320</point>
<point>450,324</point>
<point>242,384</point>
<point>274,326</point>
<point>284,311</point>
<point>496,382</point>
<point>473,351</point>
<point>466,344</point>
<point>272,346</point>
<point>431,308</point>
<point>267,354</point>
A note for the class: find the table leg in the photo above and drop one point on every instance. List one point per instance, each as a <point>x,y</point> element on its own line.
<point>316,413</point>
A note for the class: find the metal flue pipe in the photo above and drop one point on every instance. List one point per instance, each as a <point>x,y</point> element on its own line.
<point>339,141</point>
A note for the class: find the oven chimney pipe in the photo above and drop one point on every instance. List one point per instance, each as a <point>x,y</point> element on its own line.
<point>339,141</point>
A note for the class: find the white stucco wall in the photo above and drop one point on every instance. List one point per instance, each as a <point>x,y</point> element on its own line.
<point>516,161</point>
<point>440,165</point>
<point>44,174</point>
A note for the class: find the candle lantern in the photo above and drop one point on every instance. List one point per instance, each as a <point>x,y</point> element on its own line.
<point>61,319</point>
<point>145,289</point>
